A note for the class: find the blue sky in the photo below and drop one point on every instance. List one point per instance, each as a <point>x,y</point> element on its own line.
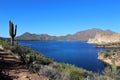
<point>59,17</point>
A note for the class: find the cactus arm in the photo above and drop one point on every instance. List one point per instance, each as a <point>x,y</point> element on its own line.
<point>15,30</point>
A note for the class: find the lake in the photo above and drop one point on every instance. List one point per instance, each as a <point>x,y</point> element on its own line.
<point>80,54</point>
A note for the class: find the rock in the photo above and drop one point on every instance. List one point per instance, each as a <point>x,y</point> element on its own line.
<point>1,47</point>
<point>104,38</point>
<point>108,60</point>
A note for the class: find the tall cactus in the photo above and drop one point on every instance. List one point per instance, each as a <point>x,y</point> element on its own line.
<point>12,31</point>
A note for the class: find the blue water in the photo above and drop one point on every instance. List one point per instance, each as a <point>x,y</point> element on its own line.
<point>80,54</point>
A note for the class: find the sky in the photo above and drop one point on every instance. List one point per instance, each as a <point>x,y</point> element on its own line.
<point>59,17</point>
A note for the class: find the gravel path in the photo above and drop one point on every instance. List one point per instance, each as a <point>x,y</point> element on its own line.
<point>12,69</point>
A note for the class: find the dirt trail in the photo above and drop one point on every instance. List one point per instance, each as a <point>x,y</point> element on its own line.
<point>12,69</point>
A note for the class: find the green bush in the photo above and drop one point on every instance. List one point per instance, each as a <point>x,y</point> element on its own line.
<point>106,54</point>
<point>108,51</point>
<point>5,44</point>
<point>115,50</point>
<point>77,75</point>
<point>72,72</point>
<point>111,73</point>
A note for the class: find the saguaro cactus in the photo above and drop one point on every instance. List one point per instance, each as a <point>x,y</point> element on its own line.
<point>12,31</point>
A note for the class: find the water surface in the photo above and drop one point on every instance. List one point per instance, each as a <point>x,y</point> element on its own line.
<point>80,54</point>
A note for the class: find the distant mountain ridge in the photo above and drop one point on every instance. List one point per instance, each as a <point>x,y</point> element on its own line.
<point>80,36</point>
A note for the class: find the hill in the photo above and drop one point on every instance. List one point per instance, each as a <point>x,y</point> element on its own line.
<point>108,40</point>
<point>105,38</point>
<point>80,36</point>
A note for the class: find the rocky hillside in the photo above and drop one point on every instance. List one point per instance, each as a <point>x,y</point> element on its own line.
<point>80,36</point>
<point>110,57</point>
<point>105,38</point>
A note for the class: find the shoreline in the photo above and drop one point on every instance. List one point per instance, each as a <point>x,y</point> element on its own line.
<point>108,60</point>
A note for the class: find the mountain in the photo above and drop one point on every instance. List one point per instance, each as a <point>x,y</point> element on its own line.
<point>29,36</point>
<point>80,36</point>
<point>85,35</point>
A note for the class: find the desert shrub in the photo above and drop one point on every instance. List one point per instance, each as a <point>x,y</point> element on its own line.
<point>110,73</point>
<point>106,54</point>
<point>65,69</point>
<point>115,50</point>
<point>72,72</point>
<point>108,51</point>
<point>48,71</point>
<point>44,60</point>
<point>113,65</point>
<point>107,71</point>
<point>5,44</point>
<point>28,55</point>
<point>20,52</point>
<point>30,58</point>
<point>106,75</point>
<point>77,75</point>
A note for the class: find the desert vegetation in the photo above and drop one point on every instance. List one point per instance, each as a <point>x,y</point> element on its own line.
<point>109,56</point>
<point>42,65</point>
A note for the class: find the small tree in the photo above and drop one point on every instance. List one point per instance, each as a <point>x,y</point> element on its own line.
<point>12,31</point>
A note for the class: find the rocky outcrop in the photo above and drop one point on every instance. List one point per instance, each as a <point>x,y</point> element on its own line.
<point>105,38</point>
<point>109,59</point>
<point>1,48</point>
